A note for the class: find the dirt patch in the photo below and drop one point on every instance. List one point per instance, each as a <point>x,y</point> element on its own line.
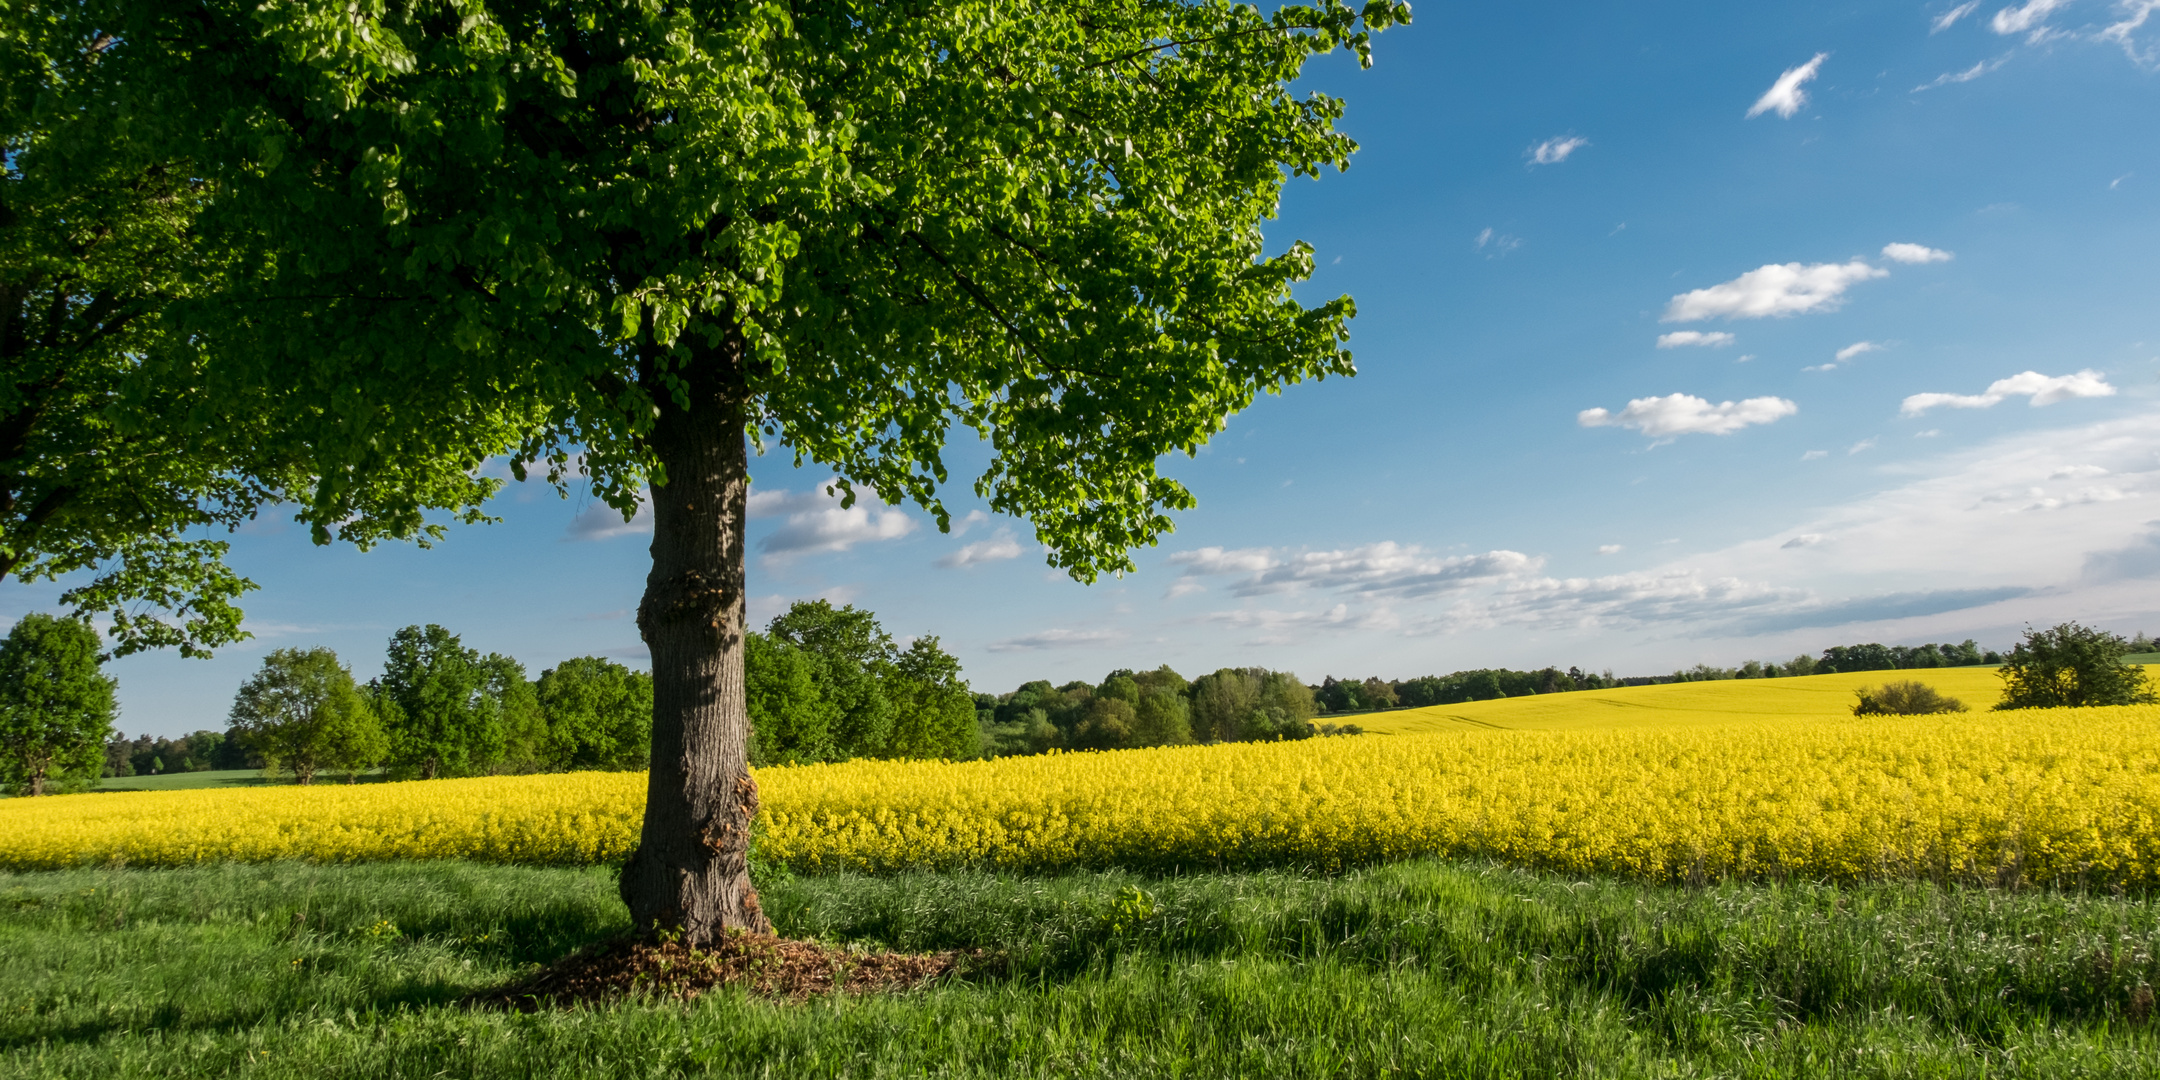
<point>765,965</point>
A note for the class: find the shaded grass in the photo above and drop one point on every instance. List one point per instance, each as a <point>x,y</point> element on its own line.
<point>1420,969</point>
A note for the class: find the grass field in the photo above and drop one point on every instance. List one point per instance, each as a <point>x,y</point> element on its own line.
<point>1417,969</point>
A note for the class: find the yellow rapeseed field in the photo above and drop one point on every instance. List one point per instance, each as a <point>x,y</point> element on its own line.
<point>1678,786</point>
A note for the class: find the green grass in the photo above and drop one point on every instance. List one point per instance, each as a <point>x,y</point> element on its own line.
<point>1418,969</point>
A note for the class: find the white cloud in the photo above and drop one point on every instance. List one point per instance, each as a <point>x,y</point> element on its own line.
<point>1183,587</point>
<point>1685,414</point>
<point>1293,627</point>
<point>1855,349</point>
<point>1715,339</point>
<point>1949,18</point>
<point>1804,540</point>
<point>2042,389</point>
<point>2134,13</point>
<point>817,522</point>
<point>2017,20</point>
<point>1815,455</point>
<point>1057,639</point>
<point>1863,445</point>
<point>1609,549</point>
<point>1555,150</point>
<point>1382,569</point>
<point>973,518</point>
<point>1001,545</point>
<point>1915,253</point>
<point>1948,78</point>
<point>2077,472</point>
<point>1785,96</point>
<point>1778,289</point>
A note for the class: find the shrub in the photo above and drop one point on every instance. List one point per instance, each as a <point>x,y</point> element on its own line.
<point>1905,697</point>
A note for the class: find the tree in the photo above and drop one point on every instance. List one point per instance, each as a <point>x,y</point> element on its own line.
<point>2071,666</point>
<point>1220,702</point>
<point>118,447</point>
<point>440,719</point>
<point>56,706</point>
<point>640,231</point>
<point>515,707</point>
<point>853,659</point>
<point>1163,718</point>
<point>791,721</point>
<point>599,715</point>
<point>933,712</point>
<point>302,712</point>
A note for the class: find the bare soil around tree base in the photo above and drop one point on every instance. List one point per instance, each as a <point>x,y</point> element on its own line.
<point>762,964</point>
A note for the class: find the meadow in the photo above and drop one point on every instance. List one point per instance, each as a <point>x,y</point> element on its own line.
<point>1420,968</point>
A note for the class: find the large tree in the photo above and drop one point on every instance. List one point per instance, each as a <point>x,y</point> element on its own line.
<point>56,706</point>
<point>303,713</point>
<point>635,232</point>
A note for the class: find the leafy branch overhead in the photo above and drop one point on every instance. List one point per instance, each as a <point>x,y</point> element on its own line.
<point>510,226</point>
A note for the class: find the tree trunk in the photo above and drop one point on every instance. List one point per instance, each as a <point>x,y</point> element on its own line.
<point>691,869</point>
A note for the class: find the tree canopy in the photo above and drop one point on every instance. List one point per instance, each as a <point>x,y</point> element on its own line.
<point>302,712</point>
<point>2070,666</point>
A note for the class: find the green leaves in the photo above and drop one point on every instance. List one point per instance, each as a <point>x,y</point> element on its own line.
<point>499,226</point>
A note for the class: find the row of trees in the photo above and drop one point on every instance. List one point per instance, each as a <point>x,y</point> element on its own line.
<point>440,709</point>
<point>1147,708</point>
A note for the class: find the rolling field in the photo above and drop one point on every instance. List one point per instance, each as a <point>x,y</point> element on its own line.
<point>1758,780</point>
<point>1679,705</point>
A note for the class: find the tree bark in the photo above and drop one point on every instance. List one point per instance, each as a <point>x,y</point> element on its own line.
<point>690,873</point>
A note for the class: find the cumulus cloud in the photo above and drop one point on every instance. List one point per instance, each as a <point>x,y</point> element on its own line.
<point>1785,96</point>
<point>2018,20</point>
<point>2042,389</point>
<point>1715,339</point>
<point>1057,639</point>
<point>1609,549</point>
<point>815,521</point>
<point>1915,253</point>
<point>1685,414</point>
<point>1001,545</point>
<point>1555,150</point>
<point>1948,78</point>
<point>1382,569</point>
<point>1950,18</point>
<point>1778,289</point>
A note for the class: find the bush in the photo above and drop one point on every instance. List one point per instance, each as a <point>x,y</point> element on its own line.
<point>2071,666</point>
<point>1905,697</point>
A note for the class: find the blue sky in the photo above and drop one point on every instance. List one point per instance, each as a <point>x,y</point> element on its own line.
<point>1909,249</point>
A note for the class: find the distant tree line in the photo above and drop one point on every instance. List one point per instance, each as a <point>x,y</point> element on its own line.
<point>825,683</point>
<point>1130,709</point>
<point>1484,684</point>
